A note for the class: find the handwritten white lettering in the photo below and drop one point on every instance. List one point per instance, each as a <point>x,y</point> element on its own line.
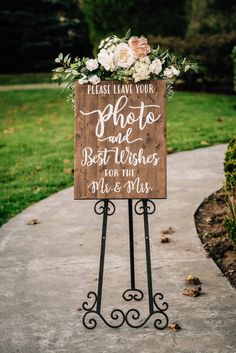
<point>124,156</point>
<point>129,187</point>
<point>110,112</point>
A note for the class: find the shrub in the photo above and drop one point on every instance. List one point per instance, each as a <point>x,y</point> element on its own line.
<point>212,51</point>
<point>211,16</point>
<point>105,17</point>
<point>230,188</point>
<point>234,65</point>
<point>33,33</point>
<point>230,165</point>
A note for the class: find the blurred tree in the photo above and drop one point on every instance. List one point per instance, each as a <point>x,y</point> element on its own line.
<point>213,51</point>
<point>157,17</point>
<point>211,16</point>
<point>33,32</point>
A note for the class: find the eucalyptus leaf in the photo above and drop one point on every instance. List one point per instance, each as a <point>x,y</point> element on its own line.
<point>70,70</point>
<point>66,58</point>
<point>59,69</point>
<point>186,68</point>
<point>127,35</point>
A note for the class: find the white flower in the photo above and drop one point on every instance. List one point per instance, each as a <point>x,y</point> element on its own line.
<point>106,60</point>
<point>145,59</point>
<point>83,80</point>
<point>155,66</point>
<point>168,73</point>
<point>141,71</point>
<point>94,79</point>
<point>175,71</point>
<point>92,64</point>
<point>171,71</point>
<point>123,55</point>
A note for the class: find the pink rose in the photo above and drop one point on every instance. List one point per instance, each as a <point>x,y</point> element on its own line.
<point>139,46</point>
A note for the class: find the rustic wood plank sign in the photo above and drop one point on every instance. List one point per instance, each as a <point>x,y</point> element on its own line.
<point>120,140</point>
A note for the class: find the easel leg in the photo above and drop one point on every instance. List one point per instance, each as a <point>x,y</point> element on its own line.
<point>102,256</point>
<point>131,244</point>
<point>147,207</point>
<point>148,257</point>
<point>132,293</point>
<point>89,321</point>
<point>106,208</point>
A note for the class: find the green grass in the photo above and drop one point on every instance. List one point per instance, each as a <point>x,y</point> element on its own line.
<point>36,139</point>
<point>36,142</point>
<point>200,119</point>
<point>18,79</point>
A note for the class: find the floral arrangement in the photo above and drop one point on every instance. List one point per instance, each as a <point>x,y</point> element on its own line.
<point>123,59</point>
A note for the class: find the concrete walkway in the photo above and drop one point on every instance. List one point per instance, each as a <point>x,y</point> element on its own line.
<point>48,268</point>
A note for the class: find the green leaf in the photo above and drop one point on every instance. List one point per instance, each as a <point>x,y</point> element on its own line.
<point>186,68</point>
<point>127,35</point>
<point>66,58</point>
<point>59,69</point>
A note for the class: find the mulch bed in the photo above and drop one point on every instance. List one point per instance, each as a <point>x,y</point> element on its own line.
<point>209,220</point>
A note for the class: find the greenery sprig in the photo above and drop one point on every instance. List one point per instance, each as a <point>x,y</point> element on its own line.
<point>122,59</point>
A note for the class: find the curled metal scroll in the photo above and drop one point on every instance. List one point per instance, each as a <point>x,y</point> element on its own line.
<point>132,294</point>
<point>144,206</point>
<point>104,206</point>
<point>90,323</point>
<point>132,317</point>
<point>161,320</point>
<point>91,315</point>
<point>86,306</point>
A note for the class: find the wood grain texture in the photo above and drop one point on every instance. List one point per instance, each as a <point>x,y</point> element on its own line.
<point>98,170</point>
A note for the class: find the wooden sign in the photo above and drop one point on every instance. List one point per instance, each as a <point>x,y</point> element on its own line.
<point>120,143</point>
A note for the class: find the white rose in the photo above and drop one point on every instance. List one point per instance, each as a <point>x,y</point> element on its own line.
<point>83,80</point>
<point>156,66</point>
<point>123,55</point>
<point>94,79</point>
<point>168,72</point>
<point>91,64</point>
<point>106,60</point>
<point>171,71</point>
<point>175,71</point>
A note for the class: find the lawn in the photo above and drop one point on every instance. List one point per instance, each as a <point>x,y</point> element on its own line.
<point>36,139</point>
<point>15,79</point>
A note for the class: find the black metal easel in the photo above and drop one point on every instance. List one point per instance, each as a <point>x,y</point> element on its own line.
<point>106,208</point>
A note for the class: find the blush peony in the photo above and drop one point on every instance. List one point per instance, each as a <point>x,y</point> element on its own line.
<point>139,46</point>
